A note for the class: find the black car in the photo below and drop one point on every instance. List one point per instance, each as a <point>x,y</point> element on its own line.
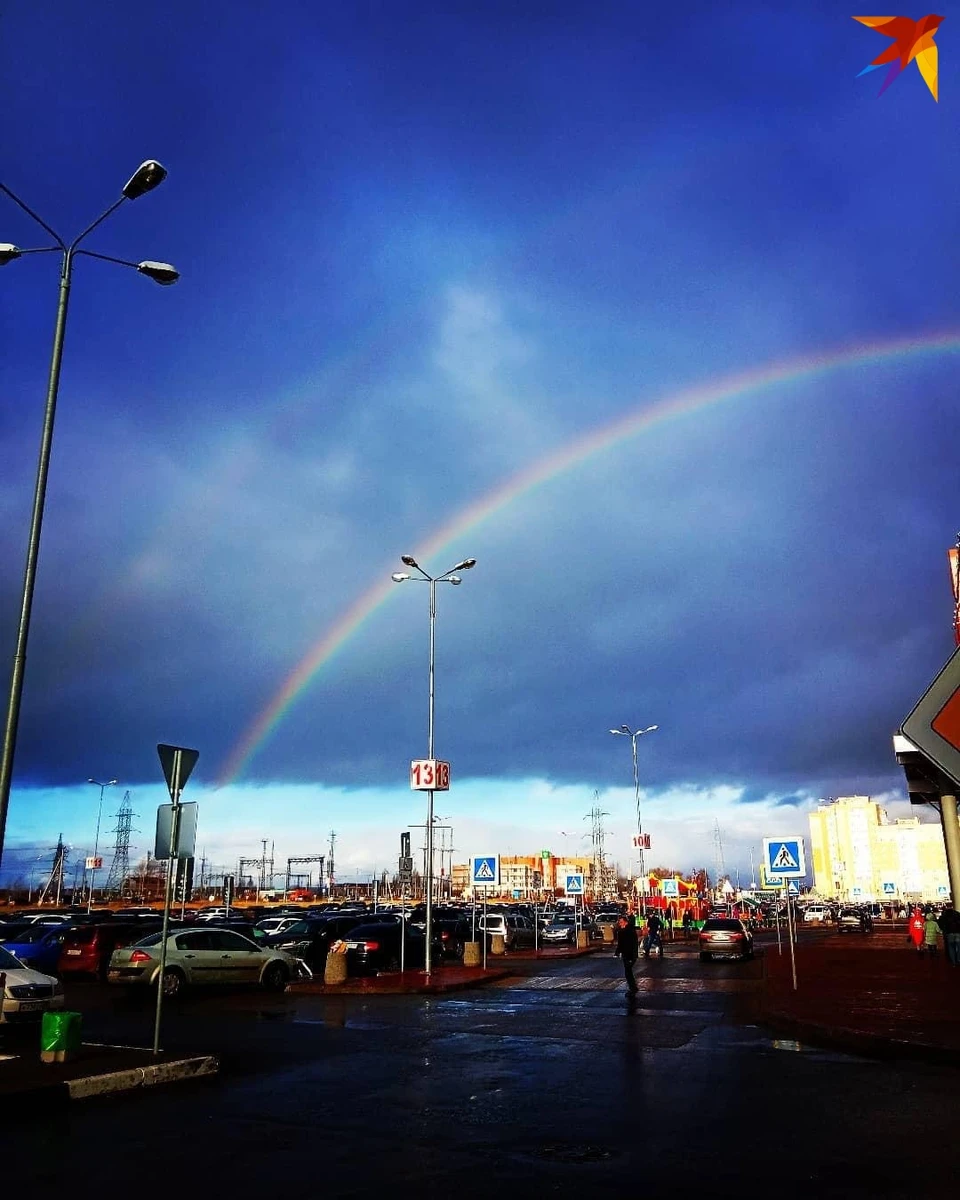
<point>375,947</point>
<point>311,938</point>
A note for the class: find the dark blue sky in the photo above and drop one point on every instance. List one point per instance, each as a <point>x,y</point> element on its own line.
<point>422,246</point>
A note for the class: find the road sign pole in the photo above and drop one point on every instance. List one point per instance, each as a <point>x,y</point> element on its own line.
<point>793,956</point>
<point>951,841</point>
<point>174,846</point>
<point>484,928</point>
<point>776,913</point>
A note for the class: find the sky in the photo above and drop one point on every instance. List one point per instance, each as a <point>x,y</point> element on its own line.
<point>656,318</point>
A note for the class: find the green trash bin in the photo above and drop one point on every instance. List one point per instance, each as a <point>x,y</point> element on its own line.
<point>59,1036</point>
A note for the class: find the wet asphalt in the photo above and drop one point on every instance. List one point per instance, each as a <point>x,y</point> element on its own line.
<point>553,1081</point>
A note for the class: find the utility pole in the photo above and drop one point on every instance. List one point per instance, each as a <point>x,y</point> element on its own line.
<point>330,866</point>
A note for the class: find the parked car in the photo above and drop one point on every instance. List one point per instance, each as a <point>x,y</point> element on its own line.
<point>559,930</point>
<point>725,936</point>
<point>87,949</point>
<point>816,914</point>
<point>310,940</point>
<point>375,947</point>
<point>271,925</point>
<point>27,994</point>
<point>854,920</point>
<point>199,957</point>
<point>37,946</point>
<point>516,931</point>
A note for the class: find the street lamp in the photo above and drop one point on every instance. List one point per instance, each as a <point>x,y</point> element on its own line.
<point>634,735</point>
<point>450,576</point>
<point>96,840</point>
<point>146,177</point>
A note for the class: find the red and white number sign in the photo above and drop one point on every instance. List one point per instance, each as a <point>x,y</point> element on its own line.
<point>429,775</point>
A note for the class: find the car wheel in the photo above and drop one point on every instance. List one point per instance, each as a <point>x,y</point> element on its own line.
<point>274,978</point>
<point>174,983</point>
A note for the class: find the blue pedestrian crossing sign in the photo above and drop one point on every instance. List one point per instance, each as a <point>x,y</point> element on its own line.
<point>574,885</point>
<point>889,888</point>
<point>485,870</point>
<point>783,858</point>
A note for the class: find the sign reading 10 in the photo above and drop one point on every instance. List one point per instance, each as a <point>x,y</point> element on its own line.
<point>429,775</point>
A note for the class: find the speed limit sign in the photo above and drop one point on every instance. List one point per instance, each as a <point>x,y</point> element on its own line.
<point>429,775</point>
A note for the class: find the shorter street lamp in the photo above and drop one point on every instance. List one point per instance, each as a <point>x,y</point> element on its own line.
<point>96,840</point>
<point>634,735</point>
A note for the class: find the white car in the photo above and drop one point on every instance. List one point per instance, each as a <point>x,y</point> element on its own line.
<point>816,913</point>
<point>27,994</point>
<point>277,924</point>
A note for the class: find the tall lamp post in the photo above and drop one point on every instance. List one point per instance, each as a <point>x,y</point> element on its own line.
<point>146,177</point>
<point>96,840</point>
<point>450,576</point>
<point>634,735</point>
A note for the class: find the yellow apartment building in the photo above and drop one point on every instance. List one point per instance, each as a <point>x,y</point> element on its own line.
<point>859,855</point>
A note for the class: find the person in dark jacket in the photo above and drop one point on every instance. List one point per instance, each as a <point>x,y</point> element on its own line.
<point>628,948</point>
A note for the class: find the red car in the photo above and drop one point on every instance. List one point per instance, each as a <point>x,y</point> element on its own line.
<point>86,949</point>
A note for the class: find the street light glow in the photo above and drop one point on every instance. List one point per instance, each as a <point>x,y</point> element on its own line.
<point>146,177</point>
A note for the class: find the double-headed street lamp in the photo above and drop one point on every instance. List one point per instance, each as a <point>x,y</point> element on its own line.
<point>450,576</point>
<point>634,735</point>
<point>96,840</point>
<point>146,177</point>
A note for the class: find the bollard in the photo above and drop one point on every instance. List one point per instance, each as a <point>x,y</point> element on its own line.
<point>498,944</point>
<point>583,939</point>
<point>608,938</point>
<point>335,968</point>
<point>471,954</point>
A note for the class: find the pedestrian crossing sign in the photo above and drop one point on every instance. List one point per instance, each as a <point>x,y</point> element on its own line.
<point>783,858</point>
<point>574,885</point>
<point>889,888</point>
<point>485,870</point>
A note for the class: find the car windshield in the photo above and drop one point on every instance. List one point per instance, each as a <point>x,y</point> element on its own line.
<point>8,962</point>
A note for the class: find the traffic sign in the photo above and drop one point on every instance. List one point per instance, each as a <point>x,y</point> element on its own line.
<point>186,832</point>
<point>669,887</point>
<point>889,888</point>
<point>485,870</point>
<point>93,864</point>
<point>178,763</point>
<point>934,724</point>
<point>574,884</point>
<point>766,883</point>
<point>793,888</point>
<point>429,775</point>
<point>783,858</point>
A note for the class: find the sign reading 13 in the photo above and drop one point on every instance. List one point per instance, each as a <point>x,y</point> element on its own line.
<point>429,775</point>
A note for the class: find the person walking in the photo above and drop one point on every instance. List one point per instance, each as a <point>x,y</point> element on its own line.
<point>628,948</point>
<point>687,923</point>
<point>931,932</point>
<point>950,928</point>
<point>915,929</point>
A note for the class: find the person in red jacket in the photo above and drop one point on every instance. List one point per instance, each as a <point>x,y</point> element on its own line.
<point>915,927</point>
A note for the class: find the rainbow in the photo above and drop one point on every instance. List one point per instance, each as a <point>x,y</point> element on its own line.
<point>678,404</point>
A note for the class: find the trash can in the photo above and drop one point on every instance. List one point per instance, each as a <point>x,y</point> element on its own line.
<point>59,1036</point>
<point>498,944</point>
<point>471,954</point>
<point>583,939</point>
<point>335,968</point>
<point>608,937</point>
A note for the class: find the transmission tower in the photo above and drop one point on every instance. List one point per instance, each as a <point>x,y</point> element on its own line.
<point>718,850</point>
<point>54,884</point>
<point>597,835</point>
<point>120,867</point>
<point>330,868</point>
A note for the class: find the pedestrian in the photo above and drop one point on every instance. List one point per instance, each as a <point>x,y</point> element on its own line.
<point>628,948</point>
<point>916,929</point>
<point>687,923</point>
<point>931,931</point>
<point>950,928</point>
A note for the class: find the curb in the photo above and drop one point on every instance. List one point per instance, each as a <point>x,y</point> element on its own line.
<point>359,987</point>
<point>137,1077</point>
<point>857,1041</point>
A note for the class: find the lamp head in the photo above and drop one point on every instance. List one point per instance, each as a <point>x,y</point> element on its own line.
<point>399,576</point>
<point>409,561</point>
<point>467,564</point>
<point>8,252</point>
<point>146,177</point>
<point>159,272</point>
<point>617,731</point>
<point>454,579</point>
<point>626,729</point>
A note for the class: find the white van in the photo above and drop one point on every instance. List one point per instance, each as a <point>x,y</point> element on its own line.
<point>816,913</point>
